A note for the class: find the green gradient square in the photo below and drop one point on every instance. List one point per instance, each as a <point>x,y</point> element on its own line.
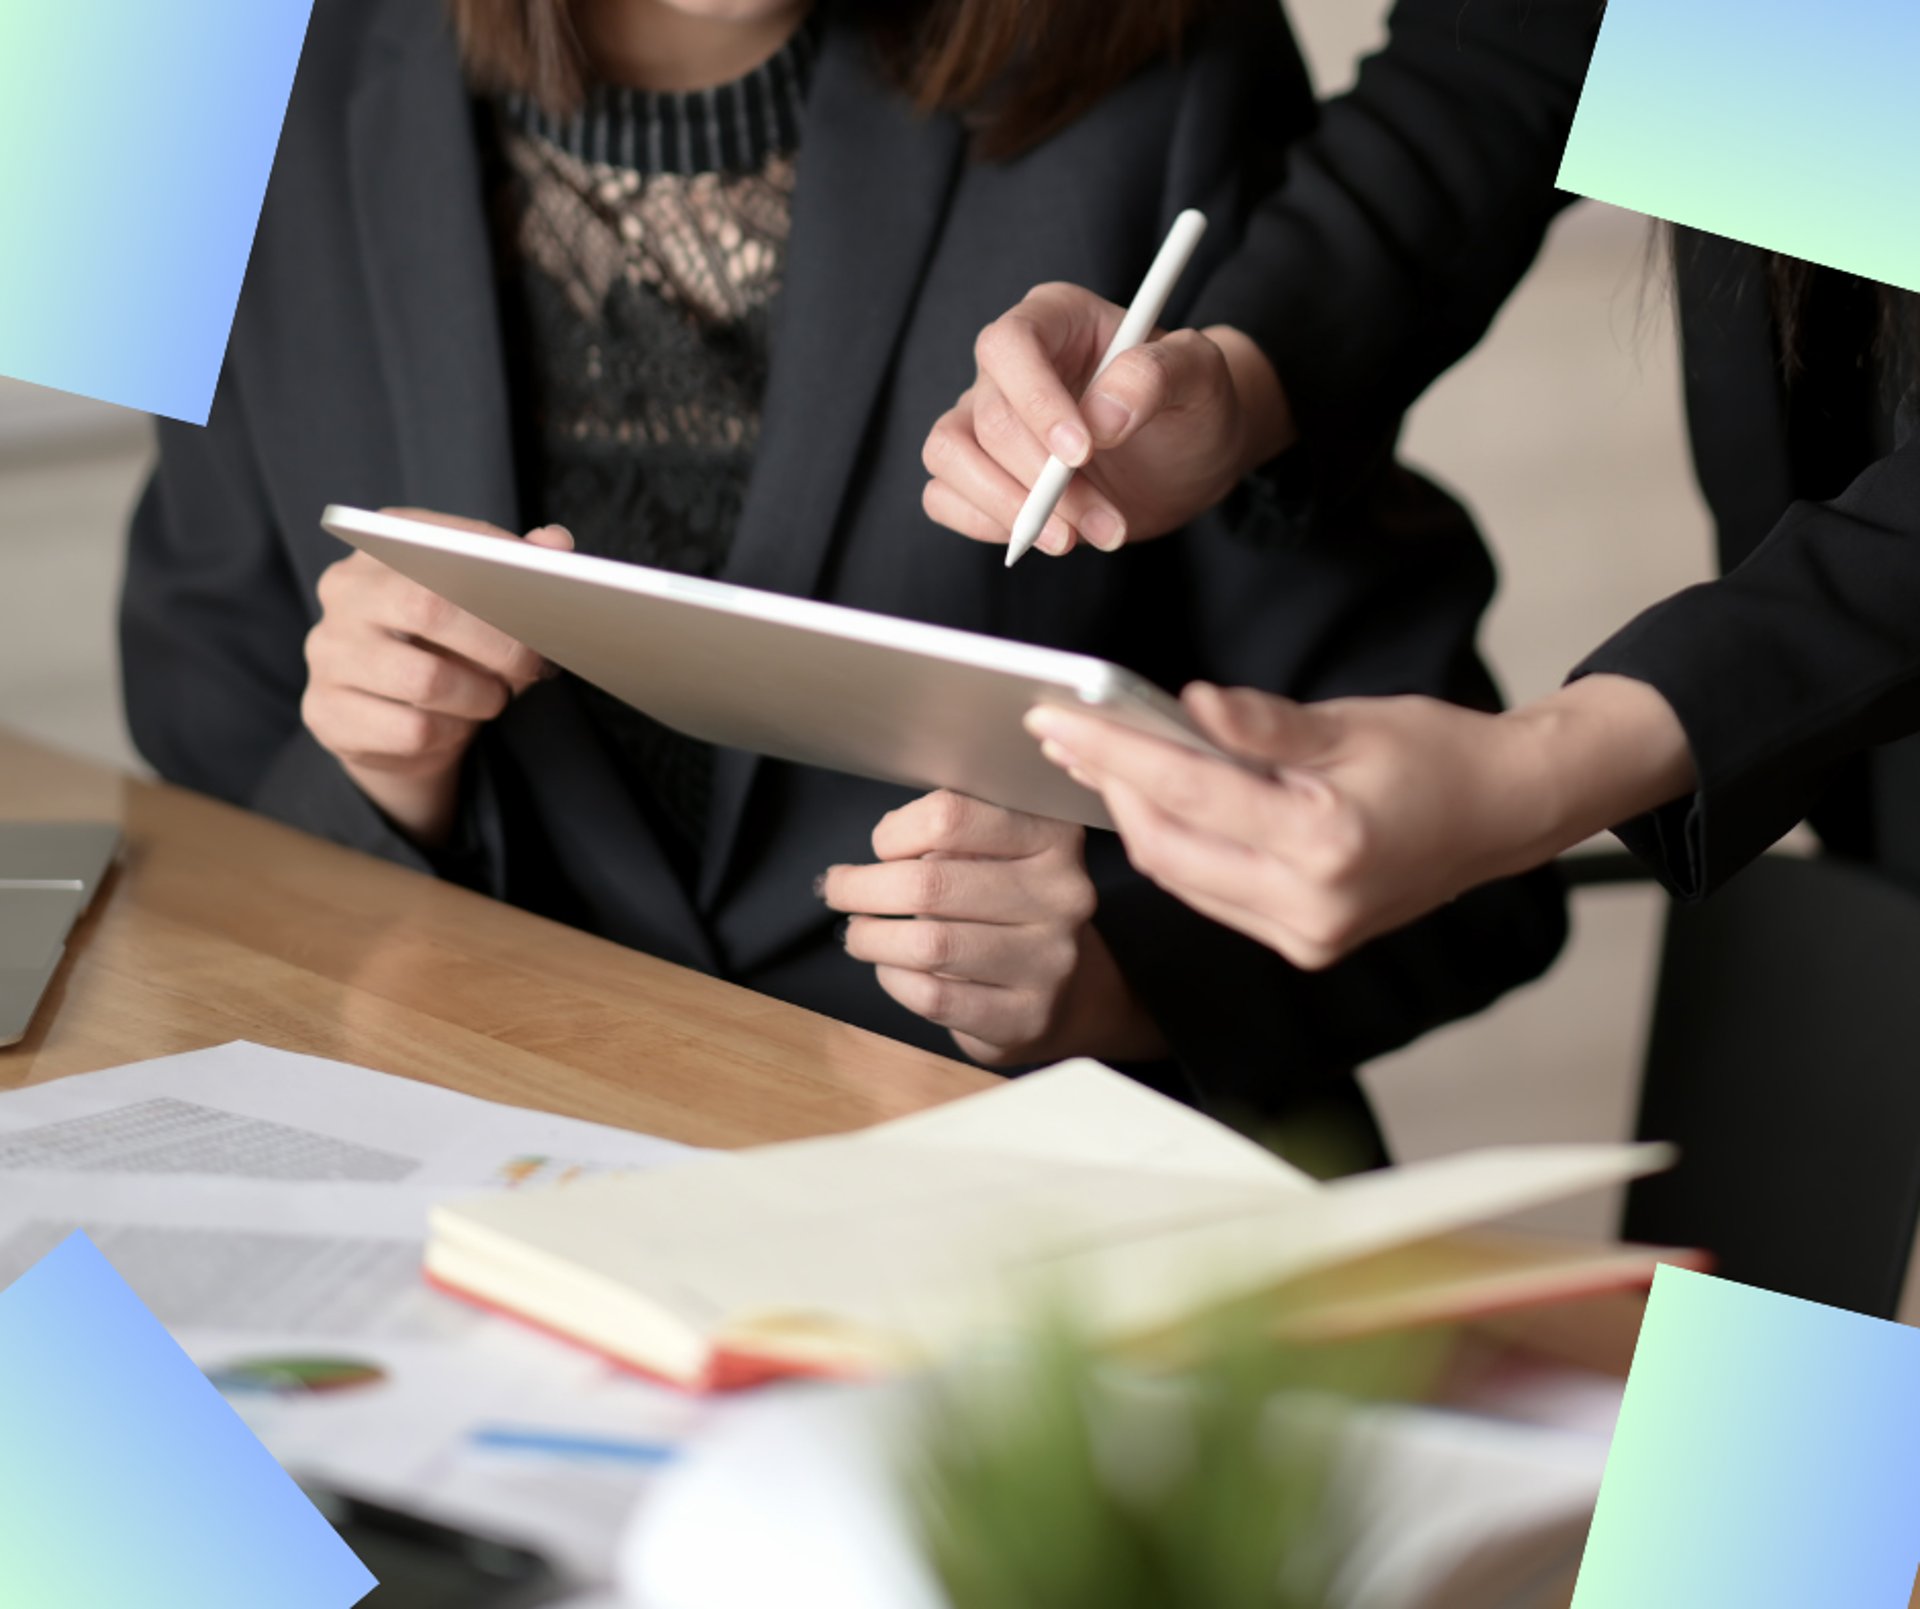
<point>1767,1457</point>
<point>1779,123</point>
<point>136,137</point>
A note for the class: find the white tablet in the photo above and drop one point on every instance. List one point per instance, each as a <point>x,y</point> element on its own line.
<point>925,706</point>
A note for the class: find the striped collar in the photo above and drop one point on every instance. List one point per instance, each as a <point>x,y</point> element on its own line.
<point>731,128</point>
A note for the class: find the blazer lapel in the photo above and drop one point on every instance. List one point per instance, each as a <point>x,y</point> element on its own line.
<point>418,202</point>
<point>874,184</point>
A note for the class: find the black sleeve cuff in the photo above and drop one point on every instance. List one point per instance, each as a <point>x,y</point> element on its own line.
<point>1744,801</point>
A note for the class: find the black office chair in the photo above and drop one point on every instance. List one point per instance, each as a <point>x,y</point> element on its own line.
<point>1784,1060</point>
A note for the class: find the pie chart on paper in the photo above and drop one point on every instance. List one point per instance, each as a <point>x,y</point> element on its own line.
<point>294,1376</point>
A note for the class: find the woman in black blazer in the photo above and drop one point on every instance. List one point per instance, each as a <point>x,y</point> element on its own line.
<point>1705,729</point>
<point>396,344</point>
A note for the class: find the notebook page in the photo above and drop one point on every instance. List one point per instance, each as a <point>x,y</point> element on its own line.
<point>928,1225</point>
<point>833,1227</point>
<point>916,1212</point>
<point>1145,1281</point>
<point>1082,1112</point>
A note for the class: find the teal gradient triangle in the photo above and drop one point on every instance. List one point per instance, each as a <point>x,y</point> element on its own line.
<point>126,1479</point>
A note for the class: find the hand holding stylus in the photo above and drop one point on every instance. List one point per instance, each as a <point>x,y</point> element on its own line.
<point>1164,432</point>
<point>1135,326</point>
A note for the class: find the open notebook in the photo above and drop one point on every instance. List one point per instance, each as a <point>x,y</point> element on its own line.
<point>899,1243</point>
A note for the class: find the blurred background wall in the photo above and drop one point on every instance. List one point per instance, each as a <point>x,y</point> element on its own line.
<point>1563,431</point>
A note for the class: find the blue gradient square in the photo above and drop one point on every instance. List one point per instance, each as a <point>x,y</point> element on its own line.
<point>1786,124</point>
<point>1767,1457</point>
<point>126,1479</point>
<point>136,137</point>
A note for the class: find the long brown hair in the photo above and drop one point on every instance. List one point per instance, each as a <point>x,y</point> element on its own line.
<point>1885,321</point>
<point>1894,343</point>
<point>1018,70</point>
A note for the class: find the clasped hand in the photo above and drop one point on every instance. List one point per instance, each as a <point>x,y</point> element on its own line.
<point>981,920</point>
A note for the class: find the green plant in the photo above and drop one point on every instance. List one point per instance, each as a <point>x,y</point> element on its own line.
<point>1055,1477</point>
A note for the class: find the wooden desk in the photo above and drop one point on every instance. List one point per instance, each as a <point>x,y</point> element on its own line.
<point>221,925</point>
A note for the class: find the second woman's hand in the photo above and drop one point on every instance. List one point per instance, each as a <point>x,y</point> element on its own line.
<point>1164,434</point>
<point>400,681</point>
<point>981,920</point>
<point>1371,811</point>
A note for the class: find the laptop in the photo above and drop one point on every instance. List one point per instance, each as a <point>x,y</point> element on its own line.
<point>50,872</point>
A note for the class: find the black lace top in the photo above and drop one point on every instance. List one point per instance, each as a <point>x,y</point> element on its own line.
<point>643,243</point>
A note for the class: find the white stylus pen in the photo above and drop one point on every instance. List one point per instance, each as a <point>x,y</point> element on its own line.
<point>1168,265</point>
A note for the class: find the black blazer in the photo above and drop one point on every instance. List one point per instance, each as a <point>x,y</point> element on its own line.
<point>367,366</point>
<point>1408,215</point>
<point>1797,674</point>
<point>1404,222</point>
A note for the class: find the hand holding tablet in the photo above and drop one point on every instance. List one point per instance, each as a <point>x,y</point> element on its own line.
<point>400,681</point>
